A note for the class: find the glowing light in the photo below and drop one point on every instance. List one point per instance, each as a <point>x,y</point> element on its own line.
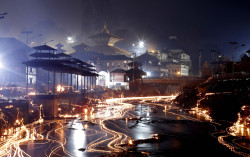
<point>68,116</point>
<point>141,44</point>
<point>70,39</point>
<point>60,88</point>
<point>148,74</point>
<point>10,106</point>
<point>85,111</point>
<point>85,126</point>
<point>130,142</point>
<point>32,93</point>
<point>140,98</point>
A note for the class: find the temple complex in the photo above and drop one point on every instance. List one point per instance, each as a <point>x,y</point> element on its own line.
<point>108,59</point>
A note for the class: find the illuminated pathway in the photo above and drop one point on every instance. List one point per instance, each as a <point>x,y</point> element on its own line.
<point>107,130</point>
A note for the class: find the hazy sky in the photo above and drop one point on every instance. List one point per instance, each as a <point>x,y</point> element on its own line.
<point>198,24</point>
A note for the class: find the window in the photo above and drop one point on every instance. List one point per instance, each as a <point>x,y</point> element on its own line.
<point>113,64</point>
<point>31,80</point>
<point>107,64</point>
<point>119,64</point>
<point>30,69</point>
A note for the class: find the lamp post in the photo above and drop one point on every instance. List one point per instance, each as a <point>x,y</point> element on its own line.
<point>48,42</point>
<point>27,34</point>
<point>28,38</point>
<point>234,47</point>
<point>39,35</point>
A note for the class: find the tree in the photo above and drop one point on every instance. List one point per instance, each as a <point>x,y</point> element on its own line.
<point>135,72</point>
<point>206,71</point>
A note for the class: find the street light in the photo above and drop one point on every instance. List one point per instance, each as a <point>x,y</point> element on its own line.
<point>36,36</point>
<point>178,73</point>
<point>234,43</point>
<point>70,39</point>
<point>27,34</point>
<point>148,74</point>
<point>141,44</point>
<point>48,42</point>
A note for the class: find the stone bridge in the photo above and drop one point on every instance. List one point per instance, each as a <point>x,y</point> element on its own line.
<point>163,86</point>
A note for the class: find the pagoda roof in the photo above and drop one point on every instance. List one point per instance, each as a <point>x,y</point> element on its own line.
<point>110,50</point>
<point>58,66</point>
<point>81,47</point>
<point>59,45</point>
<point>62,55</point>
<point>105,37</point>
<point>118,71</point>
<point>44,47</point>
<point>104,34</point>
<point>44,55</point>
<point>43,63</point>
<point>146,57</point>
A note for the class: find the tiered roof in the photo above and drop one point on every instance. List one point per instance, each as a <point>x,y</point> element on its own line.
<point>59,62</point>
<point>105,37</point>
<point>105,42</point>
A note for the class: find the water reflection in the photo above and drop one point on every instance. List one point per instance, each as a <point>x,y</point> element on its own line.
<point>78,138</point>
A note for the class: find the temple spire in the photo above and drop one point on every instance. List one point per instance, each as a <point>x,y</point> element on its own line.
<point>105,28</point>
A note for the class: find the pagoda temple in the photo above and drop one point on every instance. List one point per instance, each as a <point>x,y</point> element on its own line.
<point>106,57</point>
<point>105,42</point>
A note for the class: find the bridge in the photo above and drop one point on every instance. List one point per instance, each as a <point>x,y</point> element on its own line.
<point>164,86</point>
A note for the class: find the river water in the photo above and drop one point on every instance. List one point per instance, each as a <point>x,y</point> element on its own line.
<point>178,136</point>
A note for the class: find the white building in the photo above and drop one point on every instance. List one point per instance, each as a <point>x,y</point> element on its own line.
<point>177,70</point>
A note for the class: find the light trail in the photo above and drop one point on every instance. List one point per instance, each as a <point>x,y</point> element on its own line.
<point>119,111</point>
<point>140,98</point>
<point>116,138</point>
<point>104,139</point>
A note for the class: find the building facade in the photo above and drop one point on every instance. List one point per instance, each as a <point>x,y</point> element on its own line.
<point>107,58</point>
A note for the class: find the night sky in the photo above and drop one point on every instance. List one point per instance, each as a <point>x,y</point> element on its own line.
<point>198,24</point>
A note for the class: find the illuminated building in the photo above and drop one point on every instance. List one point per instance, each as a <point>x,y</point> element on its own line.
<point>161,68</point>
<point>174,58</point>
<point>152,66</point>
<point>106,57</point>
<point>47,70</point>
